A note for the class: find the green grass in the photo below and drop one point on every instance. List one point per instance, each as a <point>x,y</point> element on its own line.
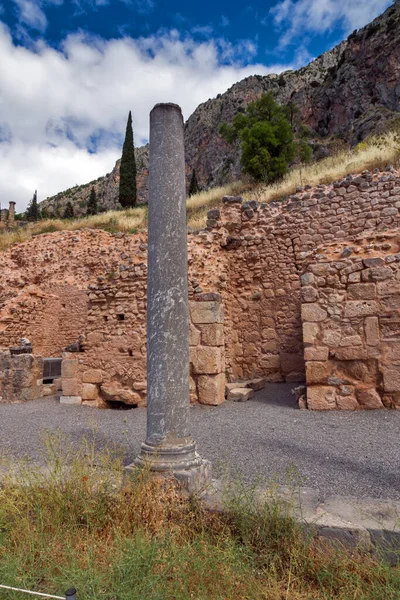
<point>73,524</point>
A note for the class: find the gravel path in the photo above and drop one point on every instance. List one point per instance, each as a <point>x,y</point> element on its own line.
<point>355,454</point>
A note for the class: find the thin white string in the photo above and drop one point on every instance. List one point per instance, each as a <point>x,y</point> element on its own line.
<point>6,587</point>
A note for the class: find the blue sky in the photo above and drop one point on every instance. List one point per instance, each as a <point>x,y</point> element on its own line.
<point>71,69</point>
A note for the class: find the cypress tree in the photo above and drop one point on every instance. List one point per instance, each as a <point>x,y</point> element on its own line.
<point>127,172</point>
<point>69,211</point>
<point>193,186</point>
<point>32,212</point>
<point>92,208</point>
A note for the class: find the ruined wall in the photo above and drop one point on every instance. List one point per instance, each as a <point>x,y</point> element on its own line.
<point>268,246</point>
<point>251,254</point>
<point>50,319</point>
<point>351,325</point>
<point>111,366</point>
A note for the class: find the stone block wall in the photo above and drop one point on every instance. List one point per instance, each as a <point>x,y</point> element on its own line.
<point>251,254</point>
<point>351,325</point>
<point>207,350</point>
<point>21,377</point>
<point>112,364</point>
<point>52,317</point>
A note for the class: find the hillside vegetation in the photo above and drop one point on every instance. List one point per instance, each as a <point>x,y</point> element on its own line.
<point>375,152</point>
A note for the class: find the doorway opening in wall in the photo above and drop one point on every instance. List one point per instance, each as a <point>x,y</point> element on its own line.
<point>51,369</point>
<point>117,405</point>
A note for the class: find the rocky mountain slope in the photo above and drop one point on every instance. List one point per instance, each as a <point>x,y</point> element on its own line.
<point>345,94</point>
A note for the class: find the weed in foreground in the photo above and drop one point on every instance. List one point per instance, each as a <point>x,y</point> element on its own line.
<point>76,521</point>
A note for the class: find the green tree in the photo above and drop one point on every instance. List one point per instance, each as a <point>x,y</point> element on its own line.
<point>32,212</point>
<point>92,208</point>
<point>193,186</point>
<point>69,211</point>
<point>266,139</point>
<point>127,172</point>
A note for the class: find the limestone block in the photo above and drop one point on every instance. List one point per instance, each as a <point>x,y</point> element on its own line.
<point>211,389</point>
<point>360,308</point>
<point>317,372</point>
<point>255,384</point>
<point>313,313</point>
<point>271,361</point>
<point>112,392</point>
<point>194,336</point>
<point>58,383</point>
<point>391,380</point>
<point>212,335</point>
<point>269,334</point>
<point>95,337</point>
<point>331,337</point>
<point>369,398</point>
<point>207,360</point>
<point>70,400</point>
<point>388,288</point>
<point>361,291</point>
<point>89,391</point>
<point>270,347</point>
<point>316,353</point>
<point>310,332</point>
<point>321,397</point>
<point>92,376</point>
<point>372,335</point>
<point>393,352</point>
<point>309,294</point>
<point>241,394</point>
<point>351,353</point>
<point>346,402</point>
<point>69,368</point>
<point>206,312</point>
<point>71,387</point>
<point>351,340</point>
<point>377,274</point>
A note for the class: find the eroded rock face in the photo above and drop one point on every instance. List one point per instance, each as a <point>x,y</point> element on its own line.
<point>349,92</point>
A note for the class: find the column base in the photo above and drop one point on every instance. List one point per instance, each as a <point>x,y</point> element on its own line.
<point>181,461</point>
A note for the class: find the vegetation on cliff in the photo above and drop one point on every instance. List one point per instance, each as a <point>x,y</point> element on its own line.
<point>374,152</point>
<point>92,208</point>
<point>266,138</point>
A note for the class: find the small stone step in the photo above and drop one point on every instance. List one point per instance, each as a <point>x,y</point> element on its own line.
<point>70,400</point>
<point>254,384</point>
<point>240,394</point>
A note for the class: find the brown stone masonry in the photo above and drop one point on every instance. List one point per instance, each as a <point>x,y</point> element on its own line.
<point>58,287</point>
<point>351,325</point>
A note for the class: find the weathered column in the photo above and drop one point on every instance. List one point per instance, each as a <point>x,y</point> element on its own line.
<point>168,445</point>
<point>11,214</point>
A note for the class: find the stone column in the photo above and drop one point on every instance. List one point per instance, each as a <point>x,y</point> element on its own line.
<point>11,214</point>
<point>168,446</point>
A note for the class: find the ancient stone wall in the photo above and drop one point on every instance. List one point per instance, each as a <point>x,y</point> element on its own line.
<point>50,319</point>
<point>351,325</point>
<point>111,366</point>
<point>251,254</point>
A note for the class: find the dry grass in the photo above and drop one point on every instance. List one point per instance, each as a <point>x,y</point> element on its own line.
<point>72,524</point>
<point>368,155</point>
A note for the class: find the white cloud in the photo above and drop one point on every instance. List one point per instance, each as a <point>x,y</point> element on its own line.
<point>30,13</point>
<point>63,112</point>
<point>320,16</point>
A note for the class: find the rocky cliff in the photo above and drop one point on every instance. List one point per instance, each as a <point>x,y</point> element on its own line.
<point>345,94</point>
